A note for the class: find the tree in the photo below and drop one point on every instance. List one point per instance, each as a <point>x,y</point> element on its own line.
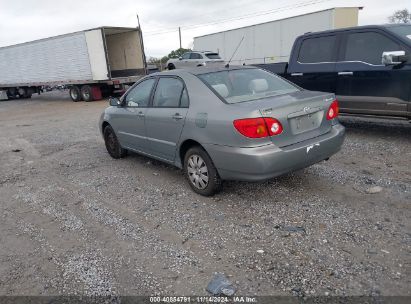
<point>178,53</point>
<point>400,16</point>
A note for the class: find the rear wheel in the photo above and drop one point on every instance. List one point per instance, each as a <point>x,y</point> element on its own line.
<point>112,144</point>
<point>86,93</point>
<point>201,173</point>
<point>171,66</point>
<point>75,93</point>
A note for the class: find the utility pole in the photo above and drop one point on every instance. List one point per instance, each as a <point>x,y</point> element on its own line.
<point>179,35</point>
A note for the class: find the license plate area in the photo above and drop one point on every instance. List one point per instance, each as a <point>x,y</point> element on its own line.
<point>304,123</point>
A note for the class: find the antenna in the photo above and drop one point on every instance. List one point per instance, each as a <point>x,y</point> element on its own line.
<point>228,63</point>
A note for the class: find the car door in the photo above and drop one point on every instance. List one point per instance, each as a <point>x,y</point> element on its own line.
<point>130,118</point>
<point>165,118</point>
<point>364,84</point>
<point>196,59</point>
<point>184,62</point>
<point>313,64</point>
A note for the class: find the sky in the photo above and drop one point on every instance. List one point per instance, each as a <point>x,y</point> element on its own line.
<point>27,20</point>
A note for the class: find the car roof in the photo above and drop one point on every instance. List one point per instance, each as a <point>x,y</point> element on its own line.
<point>194,51</point>
<point>363,27</point>
<point>203,70</point>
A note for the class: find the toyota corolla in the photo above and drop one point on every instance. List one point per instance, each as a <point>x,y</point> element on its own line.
<point>233,123</point>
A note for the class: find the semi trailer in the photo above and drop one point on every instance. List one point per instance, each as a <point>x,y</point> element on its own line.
<point>93,63</point>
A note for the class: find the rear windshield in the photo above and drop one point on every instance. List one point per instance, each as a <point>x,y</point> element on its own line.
<point>213,56</point>
<point>401,30</point>
<point>241,85</point>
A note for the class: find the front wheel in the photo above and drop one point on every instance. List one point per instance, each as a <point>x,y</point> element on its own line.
<point>201,173</point>
<point>112,144</point>
<point>171,66</point>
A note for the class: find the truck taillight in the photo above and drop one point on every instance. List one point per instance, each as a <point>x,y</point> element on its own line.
<point>333,110</point>
<point>258,127</point>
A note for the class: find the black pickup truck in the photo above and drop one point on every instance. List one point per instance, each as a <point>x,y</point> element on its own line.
<point>367,67</point>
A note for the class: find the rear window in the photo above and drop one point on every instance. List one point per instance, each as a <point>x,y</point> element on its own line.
<point>213,56</point>
<point>242,85</point>
<point>319,49</point>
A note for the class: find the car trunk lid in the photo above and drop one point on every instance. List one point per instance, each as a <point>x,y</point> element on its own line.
<point>302,115</point>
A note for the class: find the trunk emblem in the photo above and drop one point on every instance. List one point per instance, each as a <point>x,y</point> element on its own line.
<point>312,146</point>
<point>306,109</point>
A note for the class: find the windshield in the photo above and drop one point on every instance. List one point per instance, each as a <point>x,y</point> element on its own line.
<point>402,30</point>
<point>213,56</point>
<point>241,85</point>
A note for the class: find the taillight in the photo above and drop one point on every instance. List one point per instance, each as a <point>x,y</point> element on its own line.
<point>274,126</point>
<point>333,110</point>
<point>258,127</point>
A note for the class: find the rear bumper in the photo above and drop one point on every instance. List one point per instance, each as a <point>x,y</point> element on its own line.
<point>264,162</point>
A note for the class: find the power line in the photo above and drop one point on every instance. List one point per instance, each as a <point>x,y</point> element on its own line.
<point>212,13</point>
<point>256,14</point>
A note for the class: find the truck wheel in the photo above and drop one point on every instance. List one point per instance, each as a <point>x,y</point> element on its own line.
<point>171,66</point>
<point>22,93</point>
<point>86,93</point>
<point>75,93</point>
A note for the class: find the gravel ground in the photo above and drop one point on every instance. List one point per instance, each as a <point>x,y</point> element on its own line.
<point>75,221</point>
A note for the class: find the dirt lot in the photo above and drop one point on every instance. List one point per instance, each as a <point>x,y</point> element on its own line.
<point>75,221</point>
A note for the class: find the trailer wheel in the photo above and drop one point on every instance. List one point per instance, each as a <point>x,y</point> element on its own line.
<point>86,93</point>
<point>22,92</point>
<point>75,93</point>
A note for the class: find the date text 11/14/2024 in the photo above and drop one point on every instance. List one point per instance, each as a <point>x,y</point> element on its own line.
<point>202,299</point>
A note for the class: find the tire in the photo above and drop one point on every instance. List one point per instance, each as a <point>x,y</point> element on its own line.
<point>171,66</point>
<point>201,173</point>
<point>75,94</point>
<point>112,144</point>
<point>86,93</point>
<point>22,93</point>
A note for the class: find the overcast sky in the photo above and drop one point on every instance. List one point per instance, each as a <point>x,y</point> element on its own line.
<point>26,20</point>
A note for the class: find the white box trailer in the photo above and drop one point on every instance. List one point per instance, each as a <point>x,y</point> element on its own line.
<point>93,63</point>
<point>272,41</point>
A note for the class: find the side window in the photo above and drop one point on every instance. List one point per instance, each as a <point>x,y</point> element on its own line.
<point>315,50</point>
<point>186,56</point>
<point>368,47</point>
<point>139,96</point>
<point>196,56</point>
<point>168,93</point>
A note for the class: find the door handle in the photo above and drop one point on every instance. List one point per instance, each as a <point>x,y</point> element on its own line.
<point>177,116</point>
<point>140,114</point>
<point>297,74</point>
<point>345,73</point>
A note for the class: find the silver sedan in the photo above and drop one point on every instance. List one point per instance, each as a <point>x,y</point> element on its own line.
<point>235,123</point>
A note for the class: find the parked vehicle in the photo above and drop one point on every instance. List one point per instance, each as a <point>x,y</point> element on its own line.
<point>367,67</point>
<point>194,59</point>
<point>237,123</point>
<point>93,63</point>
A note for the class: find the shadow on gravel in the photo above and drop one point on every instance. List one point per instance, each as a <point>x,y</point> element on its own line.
<point>377,126</point>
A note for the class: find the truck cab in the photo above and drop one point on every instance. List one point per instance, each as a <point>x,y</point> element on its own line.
<point>367,67</point>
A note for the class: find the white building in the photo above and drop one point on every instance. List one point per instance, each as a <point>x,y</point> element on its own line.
<point>272,41</point>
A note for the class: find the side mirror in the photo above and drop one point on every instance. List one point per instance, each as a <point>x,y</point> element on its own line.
<point>114,102</point>
<point>393,58</point>
<point>180,58</point>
